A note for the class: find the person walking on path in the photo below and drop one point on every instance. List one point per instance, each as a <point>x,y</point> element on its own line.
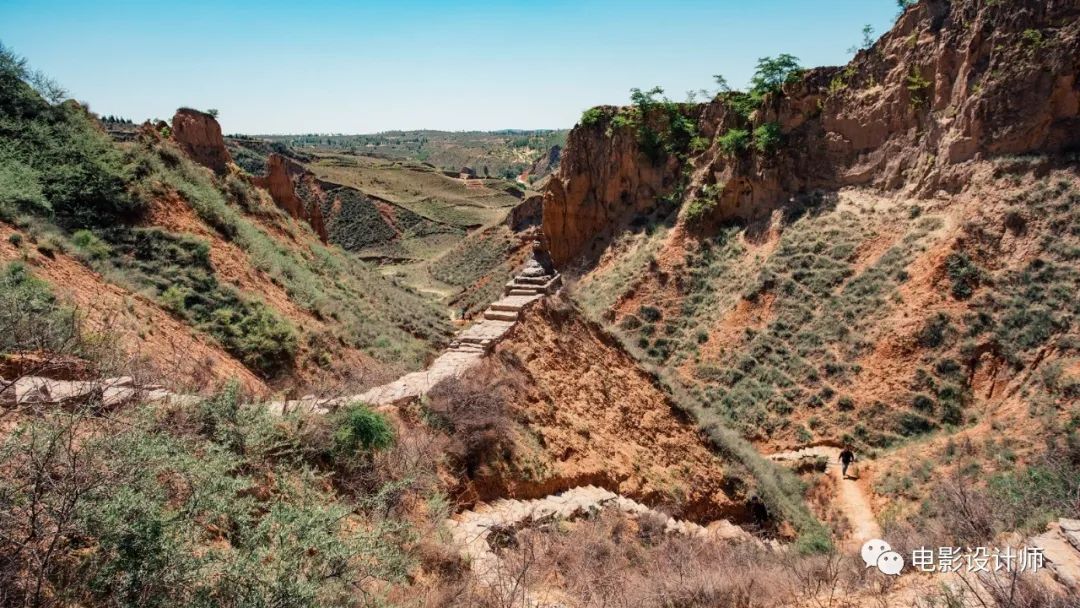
<point>846,458</point>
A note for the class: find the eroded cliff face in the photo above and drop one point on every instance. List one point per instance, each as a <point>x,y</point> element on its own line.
<point>295,190</point>
<point>199,135</point>
<point>602,181</point>
<point>951,83</point>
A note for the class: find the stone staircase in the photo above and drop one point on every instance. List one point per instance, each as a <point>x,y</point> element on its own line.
<point>476,531</point>
<point>471,344</point>
<point>1061,551</point>
<point>465,351</point>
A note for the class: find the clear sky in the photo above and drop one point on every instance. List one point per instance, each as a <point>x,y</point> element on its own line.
<point>336,66</point>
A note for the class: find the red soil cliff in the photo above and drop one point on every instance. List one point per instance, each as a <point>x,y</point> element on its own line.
<point>199,135</point>
<point>952,82</point>
<point>295,190</point>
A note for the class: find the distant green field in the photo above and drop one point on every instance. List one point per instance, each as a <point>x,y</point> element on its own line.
<point>412,217</point>
<point>504,154</point>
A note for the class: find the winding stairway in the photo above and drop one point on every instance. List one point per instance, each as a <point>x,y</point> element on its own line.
<point>477,531</point>
<point>472,343</point>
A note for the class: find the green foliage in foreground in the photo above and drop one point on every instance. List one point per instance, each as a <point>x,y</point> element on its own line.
<point>204,506</point>
<point>358,428</point>
<point>31,319</point>
<point>61,175</point>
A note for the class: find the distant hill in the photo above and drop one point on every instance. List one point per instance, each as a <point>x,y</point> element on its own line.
<point>507,153</point>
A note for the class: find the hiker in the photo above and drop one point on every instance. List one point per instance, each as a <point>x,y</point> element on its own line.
<point>542,257</point>
<point>846,458</point>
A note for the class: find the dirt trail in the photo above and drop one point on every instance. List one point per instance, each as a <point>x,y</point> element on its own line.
<point>850,497</point>
<point>476,530</point>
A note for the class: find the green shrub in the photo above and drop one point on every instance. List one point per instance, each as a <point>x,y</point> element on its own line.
<point>592,116</point>
<point>735,141</point>
<point>56,153</point>
<point>1032,41</point>
<point>31,316</point>
<point>360,429</point>
<point>699,209</point>
<point>909,424</point>
<point>767,137</point>
<point>650,314</point>
<point>20,191</point>
<point>935,330</point>
<point>178,270</point>
<point>90,246</point>
<point>963,273</point>
<point>146,511</point>
<point>923,403</point>
<point>918,87</point>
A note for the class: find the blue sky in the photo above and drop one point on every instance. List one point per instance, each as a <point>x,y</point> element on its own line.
<point>333,66</point>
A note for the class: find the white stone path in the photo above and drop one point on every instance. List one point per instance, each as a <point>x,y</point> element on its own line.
<point>465,350</point>
<point>472,530</point>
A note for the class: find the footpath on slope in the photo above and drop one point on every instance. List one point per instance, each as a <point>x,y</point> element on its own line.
<point>1060,542</point>
<point>850,498</point>
<point>467,348</point>
<point>465,351</point>
<point>477,530</point>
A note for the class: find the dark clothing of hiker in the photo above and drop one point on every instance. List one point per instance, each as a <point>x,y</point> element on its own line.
<point>543,258</point>
<point>846,458</point>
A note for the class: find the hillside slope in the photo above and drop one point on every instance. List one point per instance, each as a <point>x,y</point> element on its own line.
<point>882,254</point>
<point>210,278</point>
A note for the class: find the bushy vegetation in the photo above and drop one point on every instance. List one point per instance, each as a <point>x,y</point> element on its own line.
<point>767,137</point>
<point>776,489</point>
<point>54,162</point>
<point>31,318</point>
<point>474,258</point>
<point>178,272</point>
<point>477,419</point>
<point>661,126</point>
<point>1026,308</point>
<point>734,141</point>
<point>211,505</point>
<point>62,175</point>
<point>592,116</point>
<point>358,428</point>
<point>698,209</point>
<point>770,76</point>
<point>918,88</point>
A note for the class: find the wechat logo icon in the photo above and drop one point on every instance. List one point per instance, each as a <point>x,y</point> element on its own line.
<point>877,553</point>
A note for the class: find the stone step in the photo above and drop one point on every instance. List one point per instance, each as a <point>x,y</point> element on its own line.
<point>541,280</point>
<point>500,315</point>
<point>474,340</point>
<point>468,348</point>
<point>522,291</point>
<point>512,303</point>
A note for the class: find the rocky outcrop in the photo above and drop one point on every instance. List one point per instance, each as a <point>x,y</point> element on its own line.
<point>295,190</point>
<point>602,181</point>
<point>526,214</point>
<point>199,135</point>
<point>952,82</point>
<point>546,164</point>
